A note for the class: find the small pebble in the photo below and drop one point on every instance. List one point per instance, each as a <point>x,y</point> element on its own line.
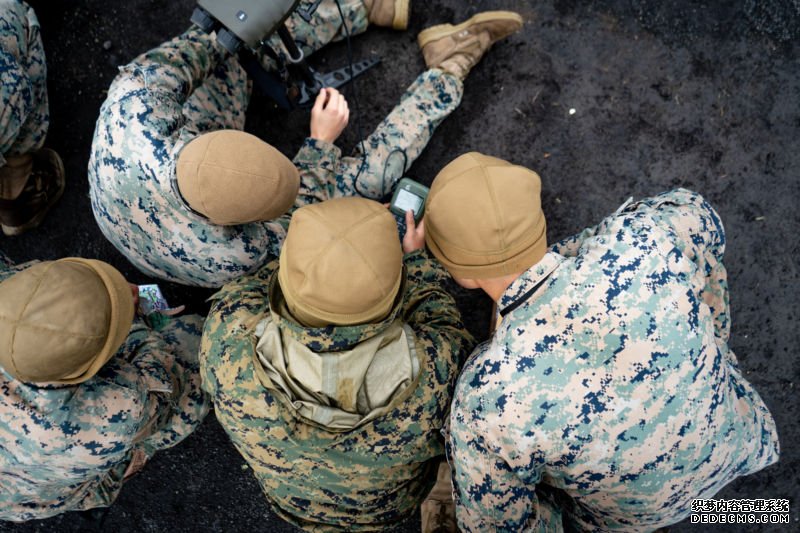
<point>572,111</point>
<point>107,45</point>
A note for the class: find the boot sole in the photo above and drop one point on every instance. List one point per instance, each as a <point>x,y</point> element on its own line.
<point>434,33</point>
<point>11,231</point>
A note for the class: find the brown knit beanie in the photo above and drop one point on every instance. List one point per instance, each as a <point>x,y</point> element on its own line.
<point>232,177</point>
<point>63,320</point>
<point>341,263</point>
<point>483,217</point>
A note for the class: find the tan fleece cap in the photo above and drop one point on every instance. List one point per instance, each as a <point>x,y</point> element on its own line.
<point>63,320</point>
<point>341,263</point>
<point>484,219</point>
<point>232,177</point>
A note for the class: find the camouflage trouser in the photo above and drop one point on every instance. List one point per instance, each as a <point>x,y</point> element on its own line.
<point>382,158</point>
<point>23,90</point>
<point>182,337</point>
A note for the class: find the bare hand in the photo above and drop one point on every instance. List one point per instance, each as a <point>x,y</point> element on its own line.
<point>414,239</point>
<point>329,115</point>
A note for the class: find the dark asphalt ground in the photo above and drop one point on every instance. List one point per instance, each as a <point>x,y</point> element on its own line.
<point>666,93</point>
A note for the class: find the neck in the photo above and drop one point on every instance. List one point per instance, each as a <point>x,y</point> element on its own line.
<point>495,287</point>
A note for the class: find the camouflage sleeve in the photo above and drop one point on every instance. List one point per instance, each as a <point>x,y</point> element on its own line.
<point>236,301</point>
<point>691,226</point>
<point>429,306</point>
<point>489,494</point>
<point>163,79</point>
<point>697,231</point>
<point>167,375</point>
<point>317,162</point>
<point>692,219</point>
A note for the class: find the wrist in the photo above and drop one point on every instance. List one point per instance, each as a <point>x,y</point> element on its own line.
<point>411,248</point>
<point>322,138</point>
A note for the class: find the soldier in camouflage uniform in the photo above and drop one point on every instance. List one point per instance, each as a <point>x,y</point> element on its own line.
<point>68,442</point>
<point>348,435</point>
<point>170,96</point>
<point>608,397</point>
<point>31,177</point>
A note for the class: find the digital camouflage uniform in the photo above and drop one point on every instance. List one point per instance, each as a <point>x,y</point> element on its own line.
<point>362,479</point>
<point>68,447</point>
<point>186,87</point>
<point>609,398</point>
<point>23,86</point>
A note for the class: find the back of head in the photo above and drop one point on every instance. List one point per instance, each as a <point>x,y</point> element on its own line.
<point>232,177</point>
<point>341,263</point>
<point>483,217</point>
<point>63,320</point>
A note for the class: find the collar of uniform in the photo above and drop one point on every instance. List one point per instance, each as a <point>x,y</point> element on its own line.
<point>528,280</point>
<point>329,338</point>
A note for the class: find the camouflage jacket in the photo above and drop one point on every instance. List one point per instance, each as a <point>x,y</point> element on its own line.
<point>608,398</point>
<point>68,447</point>
<point>154,108</point>
<point>362,479</point>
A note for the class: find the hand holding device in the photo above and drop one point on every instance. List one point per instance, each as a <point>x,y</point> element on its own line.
<point>329,116</point>
<point>414,239</point>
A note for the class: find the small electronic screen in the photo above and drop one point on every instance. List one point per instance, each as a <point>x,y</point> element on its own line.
<point>151,299</point>
<point>409,196</point>
<point>408,200</point>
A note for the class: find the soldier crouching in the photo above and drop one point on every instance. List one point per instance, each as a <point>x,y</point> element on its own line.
<point>88,393</point>
<point>332,369</point>
<point>608,397</point>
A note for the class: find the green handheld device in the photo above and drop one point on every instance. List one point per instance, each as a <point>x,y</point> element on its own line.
<point>409,195</point>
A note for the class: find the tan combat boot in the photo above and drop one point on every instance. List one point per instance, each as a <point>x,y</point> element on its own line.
<point>388,13</point>
<point>456,49</point>
<point>438,511</point>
